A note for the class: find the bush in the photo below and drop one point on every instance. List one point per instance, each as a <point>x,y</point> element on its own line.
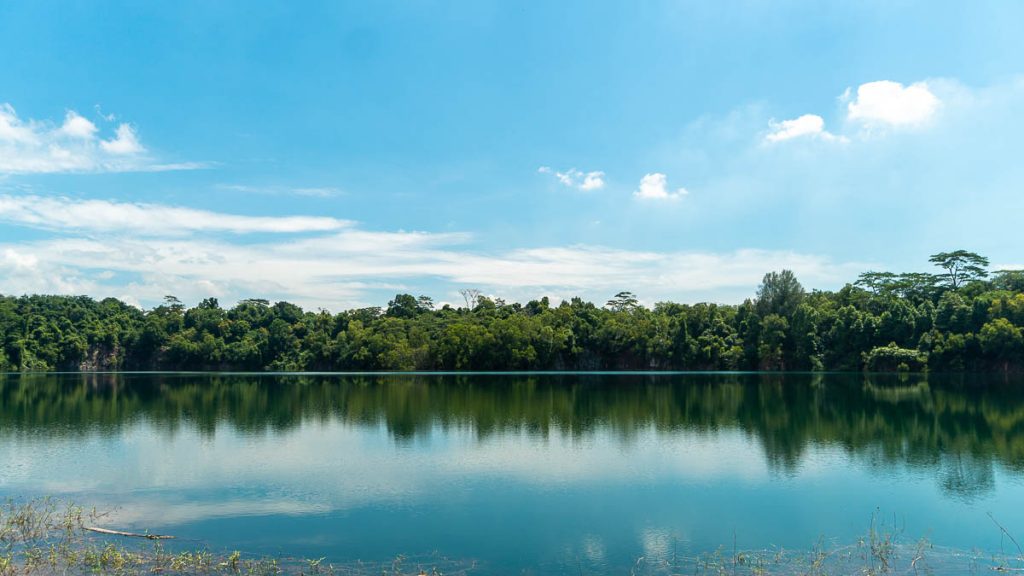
<point>892,358</point>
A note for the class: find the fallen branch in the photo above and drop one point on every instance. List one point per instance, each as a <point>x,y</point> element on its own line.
<point>129,534</point>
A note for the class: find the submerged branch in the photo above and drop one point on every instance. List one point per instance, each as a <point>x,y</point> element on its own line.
<point>129,534</point>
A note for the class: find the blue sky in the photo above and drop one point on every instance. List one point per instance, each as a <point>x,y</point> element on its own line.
<point>333,154</point>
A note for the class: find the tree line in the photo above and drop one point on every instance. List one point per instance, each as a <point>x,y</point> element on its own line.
<point>960,319</point>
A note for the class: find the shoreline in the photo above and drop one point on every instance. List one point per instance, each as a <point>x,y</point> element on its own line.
<point>46,536</point>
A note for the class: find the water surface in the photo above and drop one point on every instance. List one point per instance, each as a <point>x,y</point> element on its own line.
<point>522,473</point>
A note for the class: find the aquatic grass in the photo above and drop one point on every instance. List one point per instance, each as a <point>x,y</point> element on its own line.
<point>882,551</point>
<point>47,537</point>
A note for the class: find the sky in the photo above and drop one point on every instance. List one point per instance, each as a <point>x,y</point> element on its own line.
<point>334,154</point>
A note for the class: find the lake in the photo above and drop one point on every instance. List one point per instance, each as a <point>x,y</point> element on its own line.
<point>523,473</point>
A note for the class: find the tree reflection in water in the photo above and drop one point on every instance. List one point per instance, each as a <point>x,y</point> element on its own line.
<point>957,427</point>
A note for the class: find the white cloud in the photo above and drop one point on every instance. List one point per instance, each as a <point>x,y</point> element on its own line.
<point>340,266</point>
<point>12,258</point>
<point>107,117</point>
<point>30,146</point>
<point>573,178</point>
<point>126,142</point>
<point>164,166</point>
<point>146,219</point>
<point>12,129</point>
<point>654,186</point>
<point>808,125</point>
<point>592,181</point>
<point>21,272</point>
<point>78,127</point>
<point>317,191</point>
<point>881,103</point>
<point>309,191</point>
<point>816,195</point>
<point>890,103</point>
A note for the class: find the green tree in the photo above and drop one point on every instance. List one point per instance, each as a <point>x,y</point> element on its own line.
<point>404,306</point>
<point>779,293</point>
<point>771,347</point>
<point>892,358</point>
<point>961,266</point>
<point>1002,341</point>
<point>882,321</point>
<point>623,302</point>
<point>1012,280</point>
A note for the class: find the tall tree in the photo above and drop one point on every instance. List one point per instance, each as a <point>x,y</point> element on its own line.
<point>623,302</point>
<point>472,297</point>
<point>961,266</point>
<point>779,293</point>
<point>404,306</point>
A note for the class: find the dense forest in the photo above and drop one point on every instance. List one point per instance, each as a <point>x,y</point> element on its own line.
<point>960,319</point>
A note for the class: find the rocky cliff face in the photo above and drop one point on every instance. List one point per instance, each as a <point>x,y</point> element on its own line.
<point>101,359</point>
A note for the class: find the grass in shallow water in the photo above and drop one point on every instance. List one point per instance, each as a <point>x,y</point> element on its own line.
<point>45,537</point>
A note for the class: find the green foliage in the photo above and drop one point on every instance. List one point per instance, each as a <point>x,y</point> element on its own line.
<point>772,342</point>
<point>1001,341</point>
<point>961,266</point>
<point>913,286</point>
<point>1012,280</point>
<point>779,293</point>
<point>623,302</point>
<point>954,321</point>
<point>892,358</point>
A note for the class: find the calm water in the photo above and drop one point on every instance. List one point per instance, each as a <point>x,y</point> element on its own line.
<point>541,473</point>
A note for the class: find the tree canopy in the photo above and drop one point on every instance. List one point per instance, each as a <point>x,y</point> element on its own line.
<point>961,266</point>
<point>954,321</point>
